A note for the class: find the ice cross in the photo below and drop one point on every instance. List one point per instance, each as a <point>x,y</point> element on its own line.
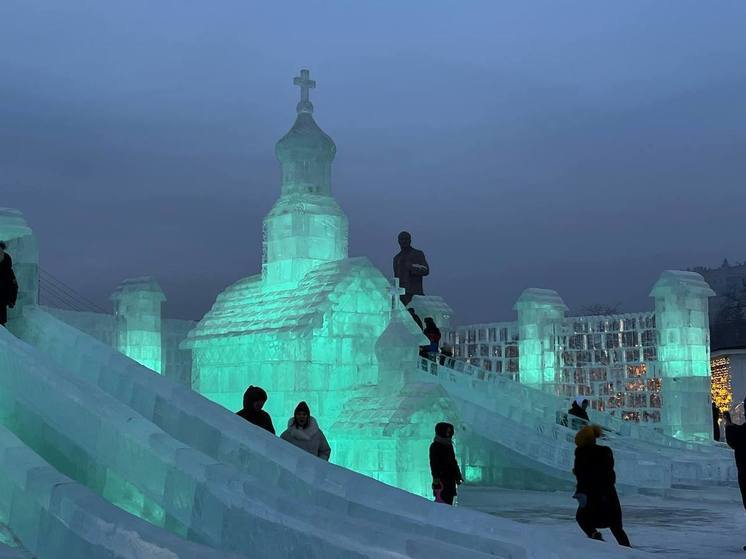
<point>302,81</point>
<point>395,291</point>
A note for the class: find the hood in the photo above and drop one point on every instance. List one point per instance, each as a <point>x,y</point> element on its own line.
<point>579,401</point>
<point>441,429</point>
<point>253,394</point>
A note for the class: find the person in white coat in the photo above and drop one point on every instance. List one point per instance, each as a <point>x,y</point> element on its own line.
<point>303,431</point>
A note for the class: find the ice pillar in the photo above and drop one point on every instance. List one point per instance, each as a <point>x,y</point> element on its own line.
<point>137,307</point>
<point>684,353</point>
<point>25,254</point>
<point>540,312</point>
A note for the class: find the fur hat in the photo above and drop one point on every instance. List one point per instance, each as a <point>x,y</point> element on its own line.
<point>302,407</point>
<point>587,435</point>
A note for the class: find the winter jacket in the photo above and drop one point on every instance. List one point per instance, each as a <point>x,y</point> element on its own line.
<point>594,470</point>
<point>443,464</point>
<point>433,334</point>
<point>8,283</point>
<point>735,436</point>
<point>578,411</point>
<point>259,418</point>
<point>311,439</point>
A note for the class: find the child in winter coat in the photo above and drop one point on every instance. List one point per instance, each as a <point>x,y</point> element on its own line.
<point>443,464</point>
<point>598,503</point>
<point>303,431</point>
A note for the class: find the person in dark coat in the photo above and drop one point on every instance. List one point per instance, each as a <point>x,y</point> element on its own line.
<point>253,401</point>
<point>715,422</point>
<point>432,332</point>
<point>410,266</point>
<point>8,284</point>
<point>443,464</point>
<point>735,436</point>
<point>598,503</point>
<point>578,410</point>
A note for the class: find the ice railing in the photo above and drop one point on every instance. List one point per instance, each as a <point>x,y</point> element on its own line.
<point>552,408</point>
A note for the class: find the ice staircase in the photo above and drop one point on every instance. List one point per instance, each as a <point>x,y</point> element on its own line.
<point>529,423</point>
<point>168,455</point>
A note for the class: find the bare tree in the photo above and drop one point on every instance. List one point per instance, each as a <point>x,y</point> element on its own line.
<point>728,329</point>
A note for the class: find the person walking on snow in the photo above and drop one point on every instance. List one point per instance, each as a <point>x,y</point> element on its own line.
<point>598,502</point>
<point>253,401</point>
<point>443,465</point>
<point>303,431</point>
<point>735,436</point>
<point>8,284</point>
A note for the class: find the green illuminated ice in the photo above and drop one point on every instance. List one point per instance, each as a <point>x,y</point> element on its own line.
<point>137,308</point>
<point>307,327</point>
<point>684,353</point>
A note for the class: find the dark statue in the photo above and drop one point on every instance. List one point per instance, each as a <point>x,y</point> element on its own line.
<point>410,267</point>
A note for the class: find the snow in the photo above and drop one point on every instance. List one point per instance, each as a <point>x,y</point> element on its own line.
<point>682,524</point>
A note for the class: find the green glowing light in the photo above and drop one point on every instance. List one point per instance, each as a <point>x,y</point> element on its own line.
<point>138,313</point>
<point>684,353</point>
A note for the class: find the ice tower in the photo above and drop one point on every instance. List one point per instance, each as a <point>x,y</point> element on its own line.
<point>540,312</point>
<point>306,328</point>
<point>681,301</point>
<point>137,308</point>
<point>306,227</point>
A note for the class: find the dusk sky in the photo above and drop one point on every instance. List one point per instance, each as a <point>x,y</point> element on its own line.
<point>578,146</point>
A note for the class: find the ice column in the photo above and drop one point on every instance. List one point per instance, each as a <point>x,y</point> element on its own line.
<point>684,353</point>
<point>540,312</point>
<point>137,307</point>
<point>25,254</point>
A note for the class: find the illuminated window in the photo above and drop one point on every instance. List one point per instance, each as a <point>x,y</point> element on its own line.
<point>722,394</point>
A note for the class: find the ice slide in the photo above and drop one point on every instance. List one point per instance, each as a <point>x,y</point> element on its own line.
<point>526,421</point>
<point>198,470</point>
<point>55,517</point>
